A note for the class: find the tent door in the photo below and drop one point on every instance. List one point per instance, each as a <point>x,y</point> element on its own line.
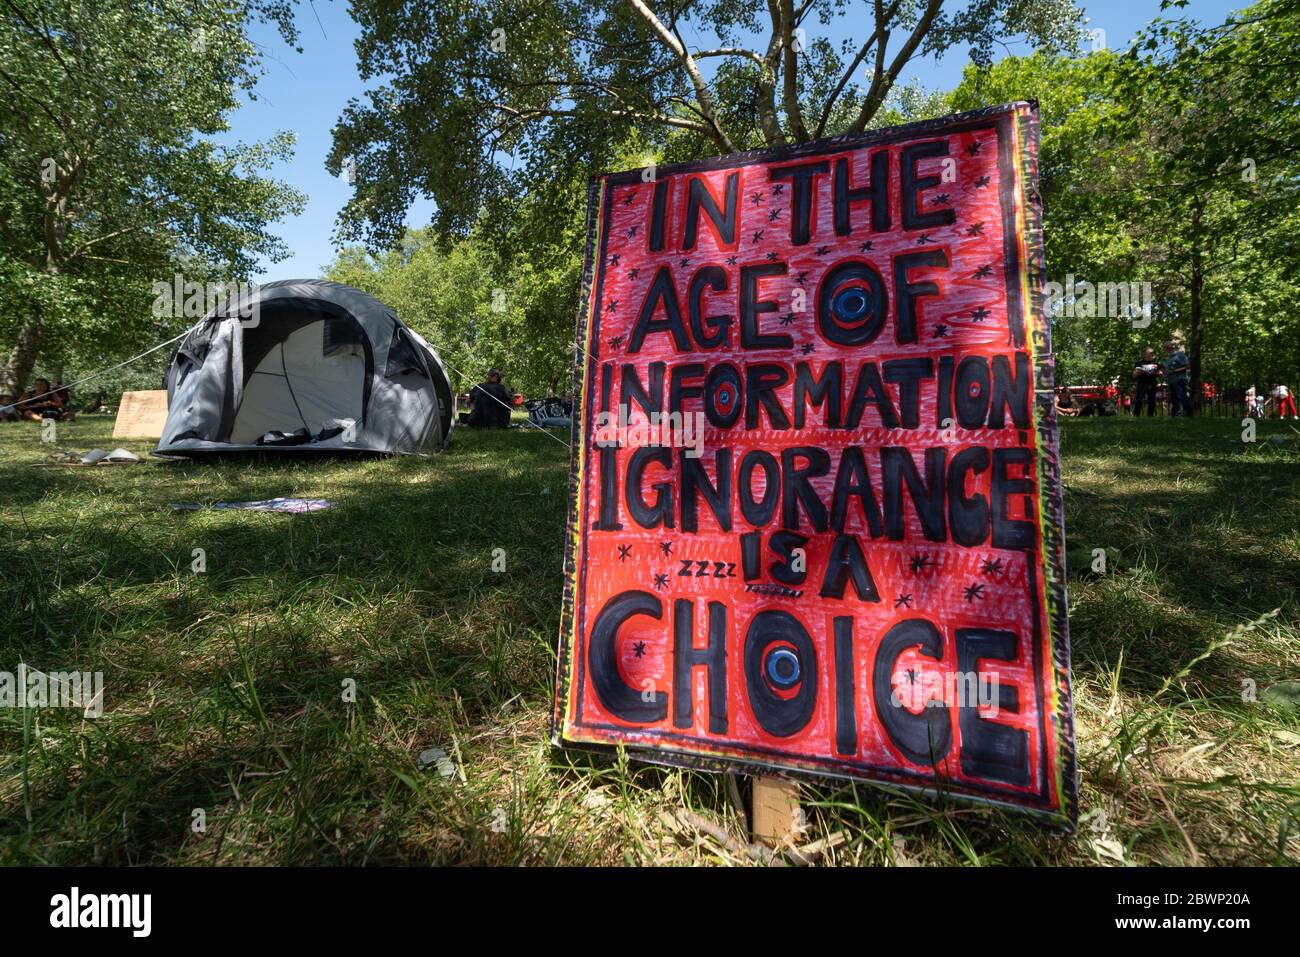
<point>296,385</point>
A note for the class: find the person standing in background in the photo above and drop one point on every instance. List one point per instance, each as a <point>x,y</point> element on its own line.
<point>1146,373</point>
<point>1285,401</point>
<point>1176,367</point>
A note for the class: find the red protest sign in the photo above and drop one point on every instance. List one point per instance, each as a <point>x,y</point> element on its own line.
<point>816,515</point>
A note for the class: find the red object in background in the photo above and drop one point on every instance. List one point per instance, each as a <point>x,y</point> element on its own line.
<point>519,399</point>
<point>1082,396</point>
<point>874,515</point>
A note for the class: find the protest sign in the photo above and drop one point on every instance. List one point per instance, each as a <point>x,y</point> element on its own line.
<point>141,415</point>
<point>815,514</point>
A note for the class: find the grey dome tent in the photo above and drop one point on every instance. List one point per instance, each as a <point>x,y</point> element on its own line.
<point>305,365</point>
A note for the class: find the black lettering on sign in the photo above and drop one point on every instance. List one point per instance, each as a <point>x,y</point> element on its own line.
<point>924,738</point>
<point>751,307</point>
<point>629,704</point>
<point>780,660</point>
<point>801,198</point>
<point>876,193</point>
<point>724,224</point>
<point>712,330</point>
<point>851,303</point>
<point>712,658</point>
<point>990,749</point>
<point>914,184</point>
<point>662,292</point>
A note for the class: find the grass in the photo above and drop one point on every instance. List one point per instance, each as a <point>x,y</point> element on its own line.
<point>226,737</point>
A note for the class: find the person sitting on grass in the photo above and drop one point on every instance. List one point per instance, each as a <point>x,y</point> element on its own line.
<point>40,402</point>
<point>1065,405</point>
<point>492,404</point>
<point>8,408</point>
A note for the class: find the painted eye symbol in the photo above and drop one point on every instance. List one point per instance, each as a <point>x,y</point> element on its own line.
<point>724,399</point>
<point>974,390</point>
<point>783,668</point>
<point>851,304</point>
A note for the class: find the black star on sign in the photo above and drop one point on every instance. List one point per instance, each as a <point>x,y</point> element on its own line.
<point>772,255</point>
<point>801,278</point>
<point>613,305</point>
<point>973,148</point>
<point>685,262</point>
<point>919,564</point>
<point>627,200</point>
<point>661,581</point>
<point>666,547</point>
<point>624,551</point>
<point>757,236</point>
<point>772,215</point>
<point>807,347</point>
<point>974,591</point>
<point>981,182</point>
<point>976,229</point>
<point>633,273</point>
<point>903,601</point>
<point>758,199</point>
<point>991,566</point>
<point>613,260</point>
<point>865,247</point>
<point>731,260</point>
<point>638,649</point>
<point>984,272</point>
<point>941,331</point>
<point>787,319</point>
<point>777,189</point>
<point>631,232</point>
<point>943,199</point>
<point>925,238</point>
<point>615,342</point>
<point>980,314</point>
<point>823,250</point>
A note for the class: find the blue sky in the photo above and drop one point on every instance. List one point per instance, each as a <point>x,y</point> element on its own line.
<point>306,92</point>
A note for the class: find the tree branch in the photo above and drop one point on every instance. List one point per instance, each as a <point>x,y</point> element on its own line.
<point>880,36</point>
<point>666,120</point>
<point>790,73</point>
<point>707,105</point>
<point>80,250</point>
<point>881,85</point>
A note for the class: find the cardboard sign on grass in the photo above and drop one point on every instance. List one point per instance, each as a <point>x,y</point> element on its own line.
<point>141,415</point>
<point>815,518</point>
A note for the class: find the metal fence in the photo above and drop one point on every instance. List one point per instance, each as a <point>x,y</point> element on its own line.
<point>1226,403</point>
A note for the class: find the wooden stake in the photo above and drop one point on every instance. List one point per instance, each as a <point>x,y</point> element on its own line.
<point>775,807</point>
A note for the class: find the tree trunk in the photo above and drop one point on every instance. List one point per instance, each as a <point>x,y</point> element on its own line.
<point>22,358</point>
<point>1198,288</point>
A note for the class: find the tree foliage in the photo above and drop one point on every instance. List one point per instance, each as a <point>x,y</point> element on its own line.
<point>1175,162</point>
<point>478,100</point>
<point>109,177</point>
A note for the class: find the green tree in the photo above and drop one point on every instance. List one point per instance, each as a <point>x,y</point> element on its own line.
<point>109,178</point>
<point>475,100</point>
<point>1211,113</point>
<point>1173,163</point>
<point>479,310</point>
